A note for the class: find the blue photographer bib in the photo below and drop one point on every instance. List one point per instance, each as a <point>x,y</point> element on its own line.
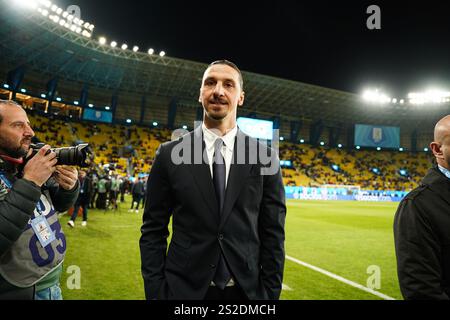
<point>39,250</point>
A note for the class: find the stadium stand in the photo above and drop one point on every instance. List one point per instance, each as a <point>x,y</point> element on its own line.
<point>131,149</point>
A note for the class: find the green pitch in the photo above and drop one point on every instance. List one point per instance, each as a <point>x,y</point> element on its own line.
<point>343,238</point>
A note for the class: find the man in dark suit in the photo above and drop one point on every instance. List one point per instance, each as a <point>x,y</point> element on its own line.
<point>227,203</point>
<point>421,228</point>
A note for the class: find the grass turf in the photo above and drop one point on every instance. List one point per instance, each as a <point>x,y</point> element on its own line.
<point>344,238</point>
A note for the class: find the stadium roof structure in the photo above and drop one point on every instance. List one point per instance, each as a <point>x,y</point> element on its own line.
<point>31,40</point>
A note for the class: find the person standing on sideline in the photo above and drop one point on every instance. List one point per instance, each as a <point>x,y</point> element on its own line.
<point>422,228</point>
<point>227,205</point>
<point>83,199</point>
<point>137,191</point>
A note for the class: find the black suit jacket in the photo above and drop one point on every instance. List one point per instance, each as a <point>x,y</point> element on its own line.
<point>250,231</point>
<point>422,239</point>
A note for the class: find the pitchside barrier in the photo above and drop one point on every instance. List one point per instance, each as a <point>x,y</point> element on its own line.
<point>341,192</point>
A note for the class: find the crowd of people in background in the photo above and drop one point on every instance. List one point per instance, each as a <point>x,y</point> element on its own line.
<point>105,191</point>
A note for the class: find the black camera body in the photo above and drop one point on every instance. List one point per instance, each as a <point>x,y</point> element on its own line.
<point>70,156</point>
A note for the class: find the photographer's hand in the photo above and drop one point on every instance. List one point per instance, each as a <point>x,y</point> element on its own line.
<point>66,176</point>
<point>39,168</point>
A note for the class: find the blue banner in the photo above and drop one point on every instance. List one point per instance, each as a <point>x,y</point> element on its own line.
<point>377,136</point>
<point>97,115</point>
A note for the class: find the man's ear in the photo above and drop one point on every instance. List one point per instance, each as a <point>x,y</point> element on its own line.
<point>436,148</point>
<point>241,99</point>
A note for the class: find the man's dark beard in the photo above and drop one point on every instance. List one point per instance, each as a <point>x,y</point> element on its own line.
<point>217,118</point>
<point>6,150</point>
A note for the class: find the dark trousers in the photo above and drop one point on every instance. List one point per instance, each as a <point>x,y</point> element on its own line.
<point>101,201</point>
<point>84,206</point>
<point>136,198</point>
<point>229,293</point>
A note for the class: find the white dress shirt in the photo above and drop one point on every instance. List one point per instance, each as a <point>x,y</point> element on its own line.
<point>227,150</point>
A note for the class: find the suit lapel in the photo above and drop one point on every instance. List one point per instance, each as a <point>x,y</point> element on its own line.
<point>236,180</point>
<point>201,172</point>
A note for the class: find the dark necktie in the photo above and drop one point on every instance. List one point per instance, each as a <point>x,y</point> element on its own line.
<point>222,275</point>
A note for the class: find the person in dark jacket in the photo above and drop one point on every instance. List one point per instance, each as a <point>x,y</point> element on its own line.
<point>32,191</point>
<point>82,200</point>
<point>137,191</point>
<point>422,228</point>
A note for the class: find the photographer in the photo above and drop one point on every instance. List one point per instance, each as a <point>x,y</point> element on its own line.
<point>32,244</point>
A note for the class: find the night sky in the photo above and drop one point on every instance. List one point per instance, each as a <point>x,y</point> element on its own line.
<point>325,43</point>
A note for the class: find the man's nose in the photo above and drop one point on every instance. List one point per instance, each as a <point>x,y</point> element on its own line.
<point>29,132</point>
<point>218,90</point>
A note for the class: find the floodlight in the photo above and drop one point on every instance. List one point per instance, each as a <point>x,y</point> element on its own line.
<point>135,48</point>
<point>124,46</point>
<point>162,54</point>
<point>151,51</point>
<point>102,40</point>
<point>46,3</point>
<point>374,96</point>
<point>113,44</point>
<point>29,4</point>
<point>432,96</point>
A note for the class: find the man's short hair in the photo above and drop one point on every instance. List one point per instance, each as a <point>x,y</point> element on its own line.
<point>11,102</point>
<point>232,65</point>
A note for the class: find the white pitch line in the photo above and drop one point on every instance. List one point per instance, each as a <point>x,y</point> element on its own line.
<point>339,278</point>
<point>286,287</point>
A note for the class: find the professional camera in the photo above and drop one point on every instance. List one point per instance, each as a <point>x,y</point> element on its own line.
<point>70,156</point>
